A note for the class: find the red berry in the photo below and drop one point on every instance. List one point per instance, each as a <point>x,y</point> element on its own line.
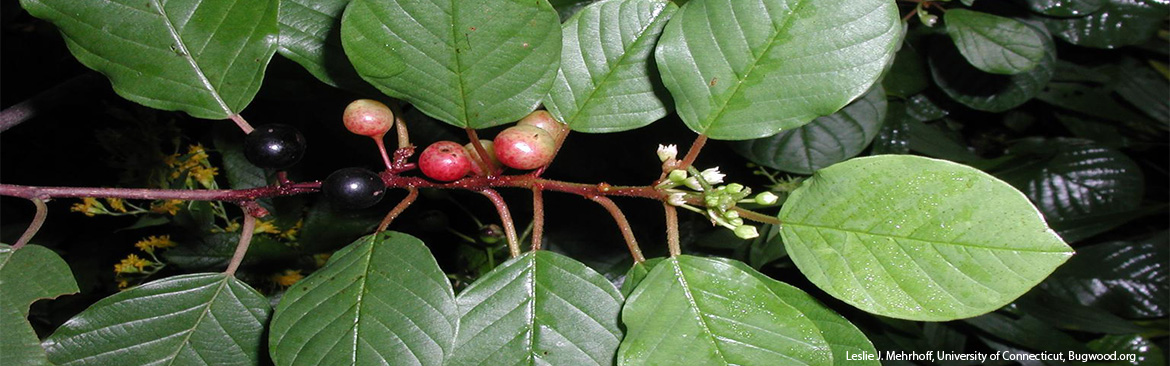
<point>490,149</point>
<point>445,161</point>
<point>545,121</point>
<point>524,147</point>
<point>368,117</point>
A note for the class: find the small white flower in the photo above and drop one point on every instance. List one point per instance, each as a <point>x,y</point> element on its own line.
<point>712,176</point>
<point>677,199</point>
<point>667,152</point>
<point>746,232</point>
<point>693,183</point>
<point>767,198</point>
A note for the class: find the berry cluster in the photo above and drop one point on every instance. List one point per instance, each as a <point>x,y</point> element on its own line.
<point>530,144</point>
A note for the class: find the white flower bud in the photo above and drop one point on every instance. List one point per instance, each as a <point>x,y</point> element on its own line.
<point>667,152</point>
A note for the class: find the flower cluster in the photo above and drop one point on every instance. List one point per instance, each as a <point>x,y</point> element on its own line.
<point>684,186</point>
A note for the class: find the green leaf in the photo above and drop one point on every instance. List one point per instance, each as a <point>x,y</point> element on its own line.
<point>1126,278</point>
<point>894,136</point>
<point>767,248</point>
<point>213,251</point>
<point>1145,352</point>
<point>327,228</point>
<point>739,70</point>
<point>469,63</point>
<point>1075,183</point>
<point>206,58</point>
<point>380,301</point>
<point>193,319</point>
<point>989,92</point>
<point>698,311</point>
<point>566,8</point>
<point>310,35</point>
<point>826,141</point>
<point>843,337</point>
<point>939,140</point>
<point>1065,8</point>
<point>908,75</point>
<point>1092,100</point>
<point>906,237</point>
<point>540,308</point>
<point>26,275</point>
<point>1147,90</point>
<point>1027,332</point>
<point>1117,23</point>
<point>636,274</point>
<point>1069,314</point>
<point>993,43</point>
<point>607,82</point>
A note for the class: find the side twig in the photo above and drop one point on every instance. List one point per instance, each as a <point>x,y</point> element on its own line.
<point>243,124</point>
<point>672,239</point>
<point>623,225</point>
<point>506,219</point>
<point>537,217</point>
<point>242,247</point>
<point>35,225</point>
<point>411,195</point>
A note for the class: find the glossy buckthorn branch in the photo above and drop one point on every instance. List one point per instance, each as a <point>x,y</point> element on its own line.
<point>693,152</point>
<point>672,238</point>
<point>227,195</point>
<point>506,219</point>
<point>35,225</point>
<point>242,246</point>
<point>411,196</point>
<point>537,217</point>
<point>623,225</point>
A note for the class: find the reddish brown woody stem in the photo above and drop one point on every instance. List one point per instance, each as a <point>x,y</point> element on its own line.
<point>35,225</point>
<point>481,152</point>
<point>623,225</point>
<point>693,152</point>
<point>242,247</point>
<point>506,219</point>
<point>411,195</point>
<point>537,217</point>
<point>672,240</point>
<point>229,195</point>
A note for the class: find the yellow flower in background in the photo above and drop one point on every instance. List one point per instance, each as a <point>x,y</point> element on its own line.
<point>168,206</point>
<point>131,264</point>
<point>291,233</point>
<point>288,278</point>
<point>154,242</point>
<point>267,227</point>
<point>321,259</point>
<point>123,284</point>
<point>117,204</point>
<point>232,227</point>
<point>88,206</point>
<point>205,175</point>
<point>197,152</point>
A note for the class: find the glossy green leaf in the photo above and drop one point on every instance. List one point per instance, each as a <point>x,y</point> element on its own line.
<point>1117,23</point>
<point>1026,332</point>
<point>823,142</point>
<point>193,319</point>
<point>1093,100</point>
<point>989,92</point>
<point>27,275</point>
<point>894,136</point>
<point>1073,180</point>
<point>1145,89</point>
<point>908,75</point>
<point>310,35</point>
<point>844,339</point>
<point>203,57</point>
<point>380,301</point>
<point>1145,352</point>
<point>906,237</point>
<point>1069,314</point>
<point>606,82</point>
<point>939,140</point>
<point>767,248</point>
<point>469,63</point>
<point>540,308</point>
<point>566,8</point>
<point>1127,278</point>
<point>1065,8</point>
<point>213,251</point>
<point>636,274</point>
<point>739,70</point>
<point>699,311</point>
<point>993,43</point>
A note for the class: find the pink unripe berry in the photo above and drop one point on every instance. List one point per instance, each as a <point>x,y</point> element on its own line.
<point>543,120</point>
<point>524,147</point>
<point>444,161</point>
<point>368,117</point>
<point>490,149</point>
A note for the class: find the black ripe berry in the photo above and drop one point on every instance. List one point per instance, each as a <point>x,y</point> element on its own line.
<point>274,146</point>
<point>353,188</point>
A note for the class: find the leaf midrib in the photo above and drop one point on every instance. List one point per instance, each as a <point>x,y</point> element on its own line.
<point>859,232</point>
<point>621,59</point>
<point>182,45</point>
<point>676,266</point>
<point>755,63</point>
<point>206,310</point>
